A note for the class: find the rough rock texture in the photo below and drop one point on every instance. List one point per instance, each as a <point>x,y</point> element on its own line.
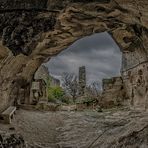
<point>109,129</point>
<point>33,31</point>
<point>11,141</point>
<point>113,93</point>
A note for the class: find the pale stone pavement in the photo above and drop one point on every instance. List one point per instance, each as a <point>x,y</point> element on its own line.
<point>78,129</point>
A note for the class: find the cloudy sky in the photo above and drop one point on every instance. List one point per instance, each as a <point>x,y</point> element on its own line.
<point>99,53</point>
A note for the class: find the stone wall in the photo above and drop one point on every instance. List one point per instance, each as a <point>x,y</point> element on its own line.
<point>135,80</point>
<point>42,73</point>
<point>113,92</point>
<point>39,86</point>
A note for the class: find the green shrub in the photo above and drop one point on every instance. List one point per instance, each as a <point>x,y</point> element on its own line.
<point>55,93</point>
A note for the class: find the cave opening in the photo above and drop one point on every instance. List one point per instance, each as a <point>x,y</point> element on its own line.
<point>33,31</point>
<point>99,53</point>
<point>93,61</point>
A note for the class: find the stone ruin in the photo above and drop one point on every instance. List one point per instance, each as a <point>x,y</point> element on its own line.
<point>38,90</point>
<point>39,86</point>
<point>82,80</point>
<point>114,93</point>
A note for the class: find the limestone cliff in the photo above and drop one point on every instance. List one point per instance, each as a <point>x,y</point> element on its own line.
<point>33,31</point>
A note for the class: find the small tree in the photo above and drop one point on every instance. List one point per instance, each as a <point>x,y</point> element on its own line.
<point>93,91</point>
<point>96,89</point>
<point>70,85</point>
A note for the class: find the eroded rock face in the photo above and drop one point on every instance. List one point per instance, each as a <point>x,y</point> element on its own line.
<point>21,30</point>
<point>12,141</point>
<point>33,31</point>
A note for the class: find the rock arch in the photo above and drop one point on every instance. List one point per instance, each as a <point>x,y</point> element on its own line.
<point>32,32</point>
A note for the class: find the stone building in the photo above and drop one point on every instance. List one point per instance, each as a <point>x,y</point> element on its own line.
<point>38,90</point>
<point>82,80</point>
<point>39,86</point>
<point>111,83</point>
<point>113,92</point>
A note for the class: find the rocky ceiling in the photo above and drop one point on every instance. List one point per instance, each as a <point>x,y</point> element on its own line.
<point>33,31</point>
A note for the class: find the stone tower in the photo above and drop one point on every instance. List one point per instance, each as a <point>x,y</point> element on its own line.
<point>82,80</point>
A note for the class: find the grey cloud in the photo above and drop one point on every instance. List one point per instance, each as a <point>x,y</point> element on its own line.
<point>99,53</point>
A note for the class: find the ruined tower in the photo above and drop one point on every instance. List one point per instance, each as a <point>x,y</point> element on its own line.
<point>82,80</point>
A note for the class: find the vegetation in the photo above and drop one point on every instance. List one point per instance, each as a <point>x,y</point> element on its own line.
<point>55,94</point>
<point>70,85</point>
<point>93,92</point>
<point>68,93</point>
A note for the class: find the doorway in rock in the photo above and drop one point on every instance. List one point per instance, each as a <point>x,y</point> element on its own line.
<point>93,61</point>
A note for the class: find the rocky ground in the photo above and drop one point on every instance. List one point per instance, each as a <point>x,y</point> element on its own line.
<point>88,129</point>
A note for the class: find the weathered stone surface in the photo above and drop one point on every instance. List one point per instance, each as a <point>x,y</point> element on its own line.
<point>114,93</point>
<point>33,31</point>
<point>108,129</point>
<point>38,91</point>
<point>11,141</point>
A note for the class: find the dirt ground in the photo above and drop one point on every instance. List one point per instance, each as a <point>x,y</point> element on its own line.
<point>76,129</point>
